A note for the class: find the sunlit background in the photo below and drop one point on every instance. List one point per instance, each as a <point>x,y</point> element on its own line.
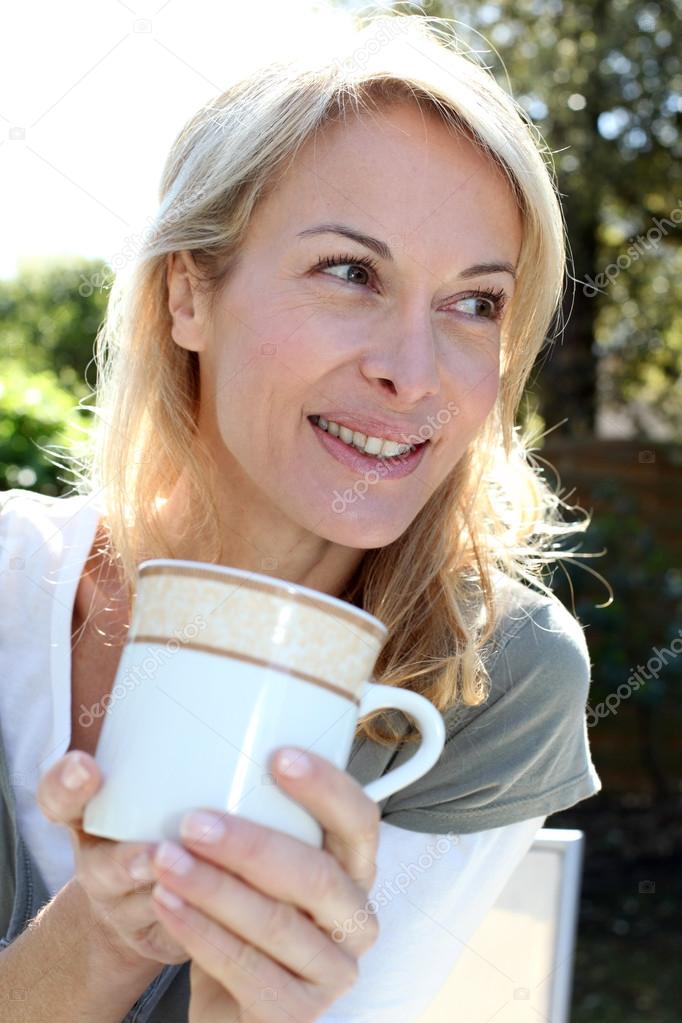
<point>92,95</point>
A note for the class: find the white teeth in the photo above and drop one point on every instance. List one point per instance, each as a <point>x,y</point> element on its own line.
<point>373,445</point>
<point>370,445</point>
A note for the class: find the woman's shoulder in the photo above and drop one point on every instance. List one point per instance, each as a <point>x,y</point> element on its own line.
<point>17,505</point>
<point>524,750</point>
<point>30,512</point>
<point>16,500</point>
<point>22,514</point>
<point>40,533</point>
<point>537,661</point>
<point>534,625</point>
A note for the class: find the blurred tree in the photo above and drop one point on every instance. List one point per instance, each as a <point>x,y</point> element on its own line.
<point>49,315</point>
<point>602,80</point>
<point>39,423</point>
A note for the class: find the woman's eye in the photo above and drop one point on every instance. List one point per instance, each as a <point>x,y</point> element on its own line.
<point>364,273</point>
<point>487,305</point>
<point>479,306</point>
<point>364,266</point>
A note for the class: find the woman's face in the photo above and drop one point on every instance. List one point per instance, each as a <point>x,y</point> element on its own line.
<point>400,349</point>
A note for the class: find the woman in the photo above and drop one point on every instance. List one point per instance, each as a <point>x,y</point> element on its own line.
<point>314,371</point>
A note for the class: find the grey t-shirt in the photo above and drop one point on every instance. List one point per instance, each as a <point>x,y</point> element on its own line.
<point>524,752</point>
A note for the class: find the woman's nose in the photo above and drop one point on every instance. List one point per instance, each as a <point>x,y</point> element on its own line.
<point>403,360</point>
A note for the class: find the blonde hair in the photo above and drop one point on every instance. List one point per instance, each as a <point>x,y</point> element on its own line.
<point>433,586</point>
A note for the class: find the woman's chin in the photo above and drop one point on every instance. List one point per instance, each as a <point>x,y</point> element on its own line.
<point>360,528</point>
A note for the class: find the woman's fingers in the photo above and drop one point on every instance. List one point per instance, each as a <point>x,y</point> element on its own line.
<point>283,868</point>
<point>62,795</point>
<point>275,927</point>
<point>210,1002</point>
<point>67,786</point>
<point>117,876</point>
<point>255,932</point>
<point>115,868</point>
<point>245,973</point>
<point>350,819</point>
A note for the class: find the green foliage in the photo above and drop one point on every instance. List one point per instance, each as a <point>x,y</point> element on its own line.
<point>50,313</point>
<point>35,413</point>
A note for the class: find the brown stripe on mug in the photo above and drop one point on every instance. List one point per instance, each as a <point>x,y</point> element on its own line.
<point>259,662</point>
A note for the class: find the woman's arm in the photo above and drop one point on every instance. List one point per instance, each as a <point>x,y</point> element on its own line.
<point>62,968</point>
<point>431,893</point>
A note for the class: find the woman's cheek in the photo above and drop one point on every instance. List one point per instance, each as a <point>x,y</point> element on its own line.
<point>489,388</point>
<point>474,376</point>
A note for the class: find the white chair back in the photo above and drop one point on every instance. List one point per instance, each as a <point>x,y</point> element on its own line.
<point>518,966</point>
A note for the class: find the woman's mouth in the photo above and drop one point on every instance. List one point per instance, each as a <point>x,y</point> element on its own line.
<point>360,453</point>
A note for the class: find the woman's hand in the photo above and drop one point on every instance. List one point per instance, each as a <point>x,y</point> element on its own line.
<point>259,907</point>
<point>121,902</point>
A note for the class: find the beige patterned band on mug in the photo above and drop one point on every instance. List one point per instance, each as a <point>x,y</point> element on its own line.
<point>260,622</point>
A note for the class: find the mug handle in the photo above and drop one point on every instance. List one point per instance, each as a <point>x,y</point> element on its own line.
<point>430,723</point>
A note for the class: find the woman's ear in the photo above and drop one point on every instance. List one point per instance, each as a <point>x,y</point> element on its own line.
<point>185,302</point>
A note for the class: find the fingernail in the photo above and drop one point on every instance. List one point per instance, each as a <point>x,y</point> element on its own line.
<point>141,868</point>
<point>173,858</point>
<point>200,826</point>
<point>74,774</point>
<point>293,763</point>
<point>166,897</point>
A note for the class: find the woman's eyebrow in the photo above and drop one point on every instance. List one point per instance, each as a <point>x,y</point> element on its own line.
<point>382,249</point>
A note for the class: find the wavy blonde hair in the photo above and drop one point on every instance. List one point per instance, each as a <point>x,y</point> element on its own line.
<point>434,585</point>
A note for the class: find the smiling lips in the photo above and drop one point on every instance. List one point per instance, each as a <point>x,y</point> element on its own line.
<point>368,444</point>
<point>361,461</point>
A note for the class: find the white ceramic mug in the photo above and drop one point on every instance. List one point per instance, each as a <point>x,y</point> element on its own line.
<point>222,667</point>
